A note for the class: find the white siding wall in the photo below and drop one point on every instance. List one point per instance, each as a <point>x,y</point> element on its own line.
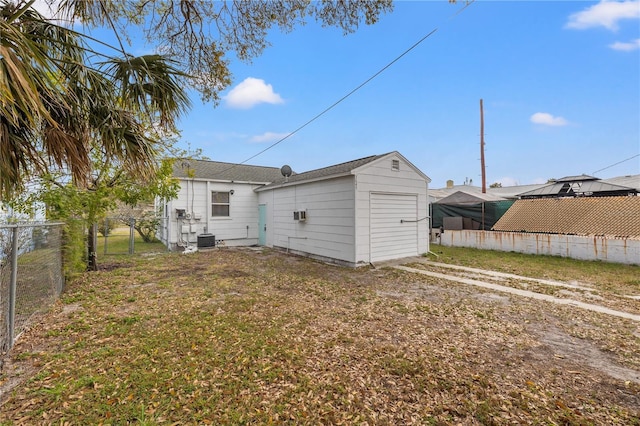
<point>267,198</point>
<point>378,177</point>
<point>240,228</point>
<point>329,229</point>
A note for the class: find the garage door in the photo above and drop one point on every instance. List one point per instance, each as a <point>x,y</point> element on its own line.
<point>391,238</point>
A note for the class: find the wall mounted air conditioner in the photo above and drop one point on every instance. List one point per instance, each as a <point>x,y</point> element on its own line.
<point>300,215</point>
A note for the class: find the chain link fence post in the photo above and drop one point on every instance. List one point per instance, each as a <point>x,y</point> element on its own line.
<point>132,224</point>
<point>106,234</point>
<point>12,287</point>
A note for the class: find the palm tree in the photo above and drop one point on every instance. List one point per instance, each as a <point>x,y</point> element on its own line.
<point>65,107</point>
<point>58,108</point>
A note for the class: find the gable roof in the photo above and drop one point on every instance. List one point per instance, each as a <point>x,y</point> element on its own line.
<point>612,216</point>
<point>331,171</point>
<point>337,170</point>
<point>463,197</point>
<point>271,176</point>
<point>216,170</point>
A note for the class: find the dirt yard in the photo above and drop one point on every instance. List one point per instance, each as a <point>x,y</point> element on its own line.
<point>253,336</point>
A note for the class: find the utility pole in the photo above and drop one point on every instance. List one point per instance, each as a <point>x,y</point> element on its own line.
<point>484,176</point>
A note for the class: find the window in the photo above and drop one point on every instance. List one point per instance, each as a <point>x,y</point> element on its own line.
<point>219,204</point>
<point>395,165</point>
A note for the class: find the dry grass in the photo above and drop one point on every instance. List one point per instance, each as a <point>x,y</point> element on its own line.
<point>259,337</point>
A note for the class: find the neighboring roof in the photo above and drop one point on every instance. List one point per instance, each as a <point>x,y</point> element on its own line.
<point>512,192</point>
<point>630,181</point>
<point>492,194</point>
<point>462,197</point>
<point>611,216</point>
<point>578,188</point>
<point>440,193</point>
<point>578,178</point>
<point>215,170</point>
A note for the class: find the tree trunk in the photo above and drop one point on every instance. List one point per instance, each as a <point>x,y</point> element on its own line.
<point>92,247</point>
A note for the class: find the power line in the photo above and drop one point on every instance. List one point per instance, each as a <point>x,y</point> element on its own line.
<point>341,99</point>
<point>615,164</point>
<point>467,4</point>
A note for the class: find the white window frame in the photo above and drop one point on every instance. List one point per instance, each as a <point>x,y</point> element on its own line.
<point>214,204</point>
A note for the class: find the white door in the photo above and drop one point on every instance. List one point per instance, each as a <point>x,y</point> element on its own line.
<point>393,226</point>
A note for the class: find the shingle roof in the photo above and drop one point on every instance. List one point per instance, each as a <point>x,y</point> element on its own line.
<point>215,170</point>
<point>326,172</point>
<point>611,216</point>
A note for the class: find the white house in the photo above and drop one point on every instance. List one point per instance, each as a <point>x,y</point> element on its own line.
<point>216,199</point>
<point>359,212</point>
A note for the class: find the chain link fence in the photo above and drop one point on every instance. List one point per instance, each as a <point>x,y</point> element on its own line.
<point>129,235</point>
<point>31,268</point>
<point>31,275</point>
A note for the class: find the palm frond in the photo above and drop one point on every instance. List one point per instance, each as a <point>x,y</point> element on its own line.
<point>150,85</point>
<point>57,108</point>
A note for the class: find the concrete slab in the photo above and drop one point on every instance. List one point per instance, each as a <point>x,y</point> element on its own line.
<point>524,293</point>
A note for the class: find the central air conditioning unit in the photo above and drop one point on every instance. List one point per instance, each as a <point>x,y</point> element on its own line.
<point>206,240</point>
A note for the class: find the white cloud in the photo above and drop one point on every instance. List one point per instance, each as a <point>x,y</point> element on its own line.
<point>605,14</point>
<point>508,181</point>
<point>268,137</point>
<point>627,47</point>
<point>547,119</point>
<point>251,92</point>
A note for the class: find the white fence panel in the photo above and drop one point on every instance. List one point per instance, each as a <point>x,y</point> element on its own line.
<point>618,250</point>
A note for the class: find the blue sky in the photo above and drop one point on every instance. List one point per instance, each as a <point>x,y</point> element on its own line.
<point>560,82</point>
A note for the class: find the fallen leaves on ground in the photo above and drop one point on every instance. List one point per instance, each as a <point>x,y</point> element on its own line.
<point>260,337</point>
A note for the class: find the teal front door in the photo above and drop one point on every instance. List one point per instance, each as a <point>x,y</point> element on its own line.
<point>262,224</point>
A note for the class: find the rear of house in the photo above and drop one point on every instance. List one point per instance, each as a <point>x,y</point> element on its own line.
<point>363,211</point>
<point>216,202</point>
